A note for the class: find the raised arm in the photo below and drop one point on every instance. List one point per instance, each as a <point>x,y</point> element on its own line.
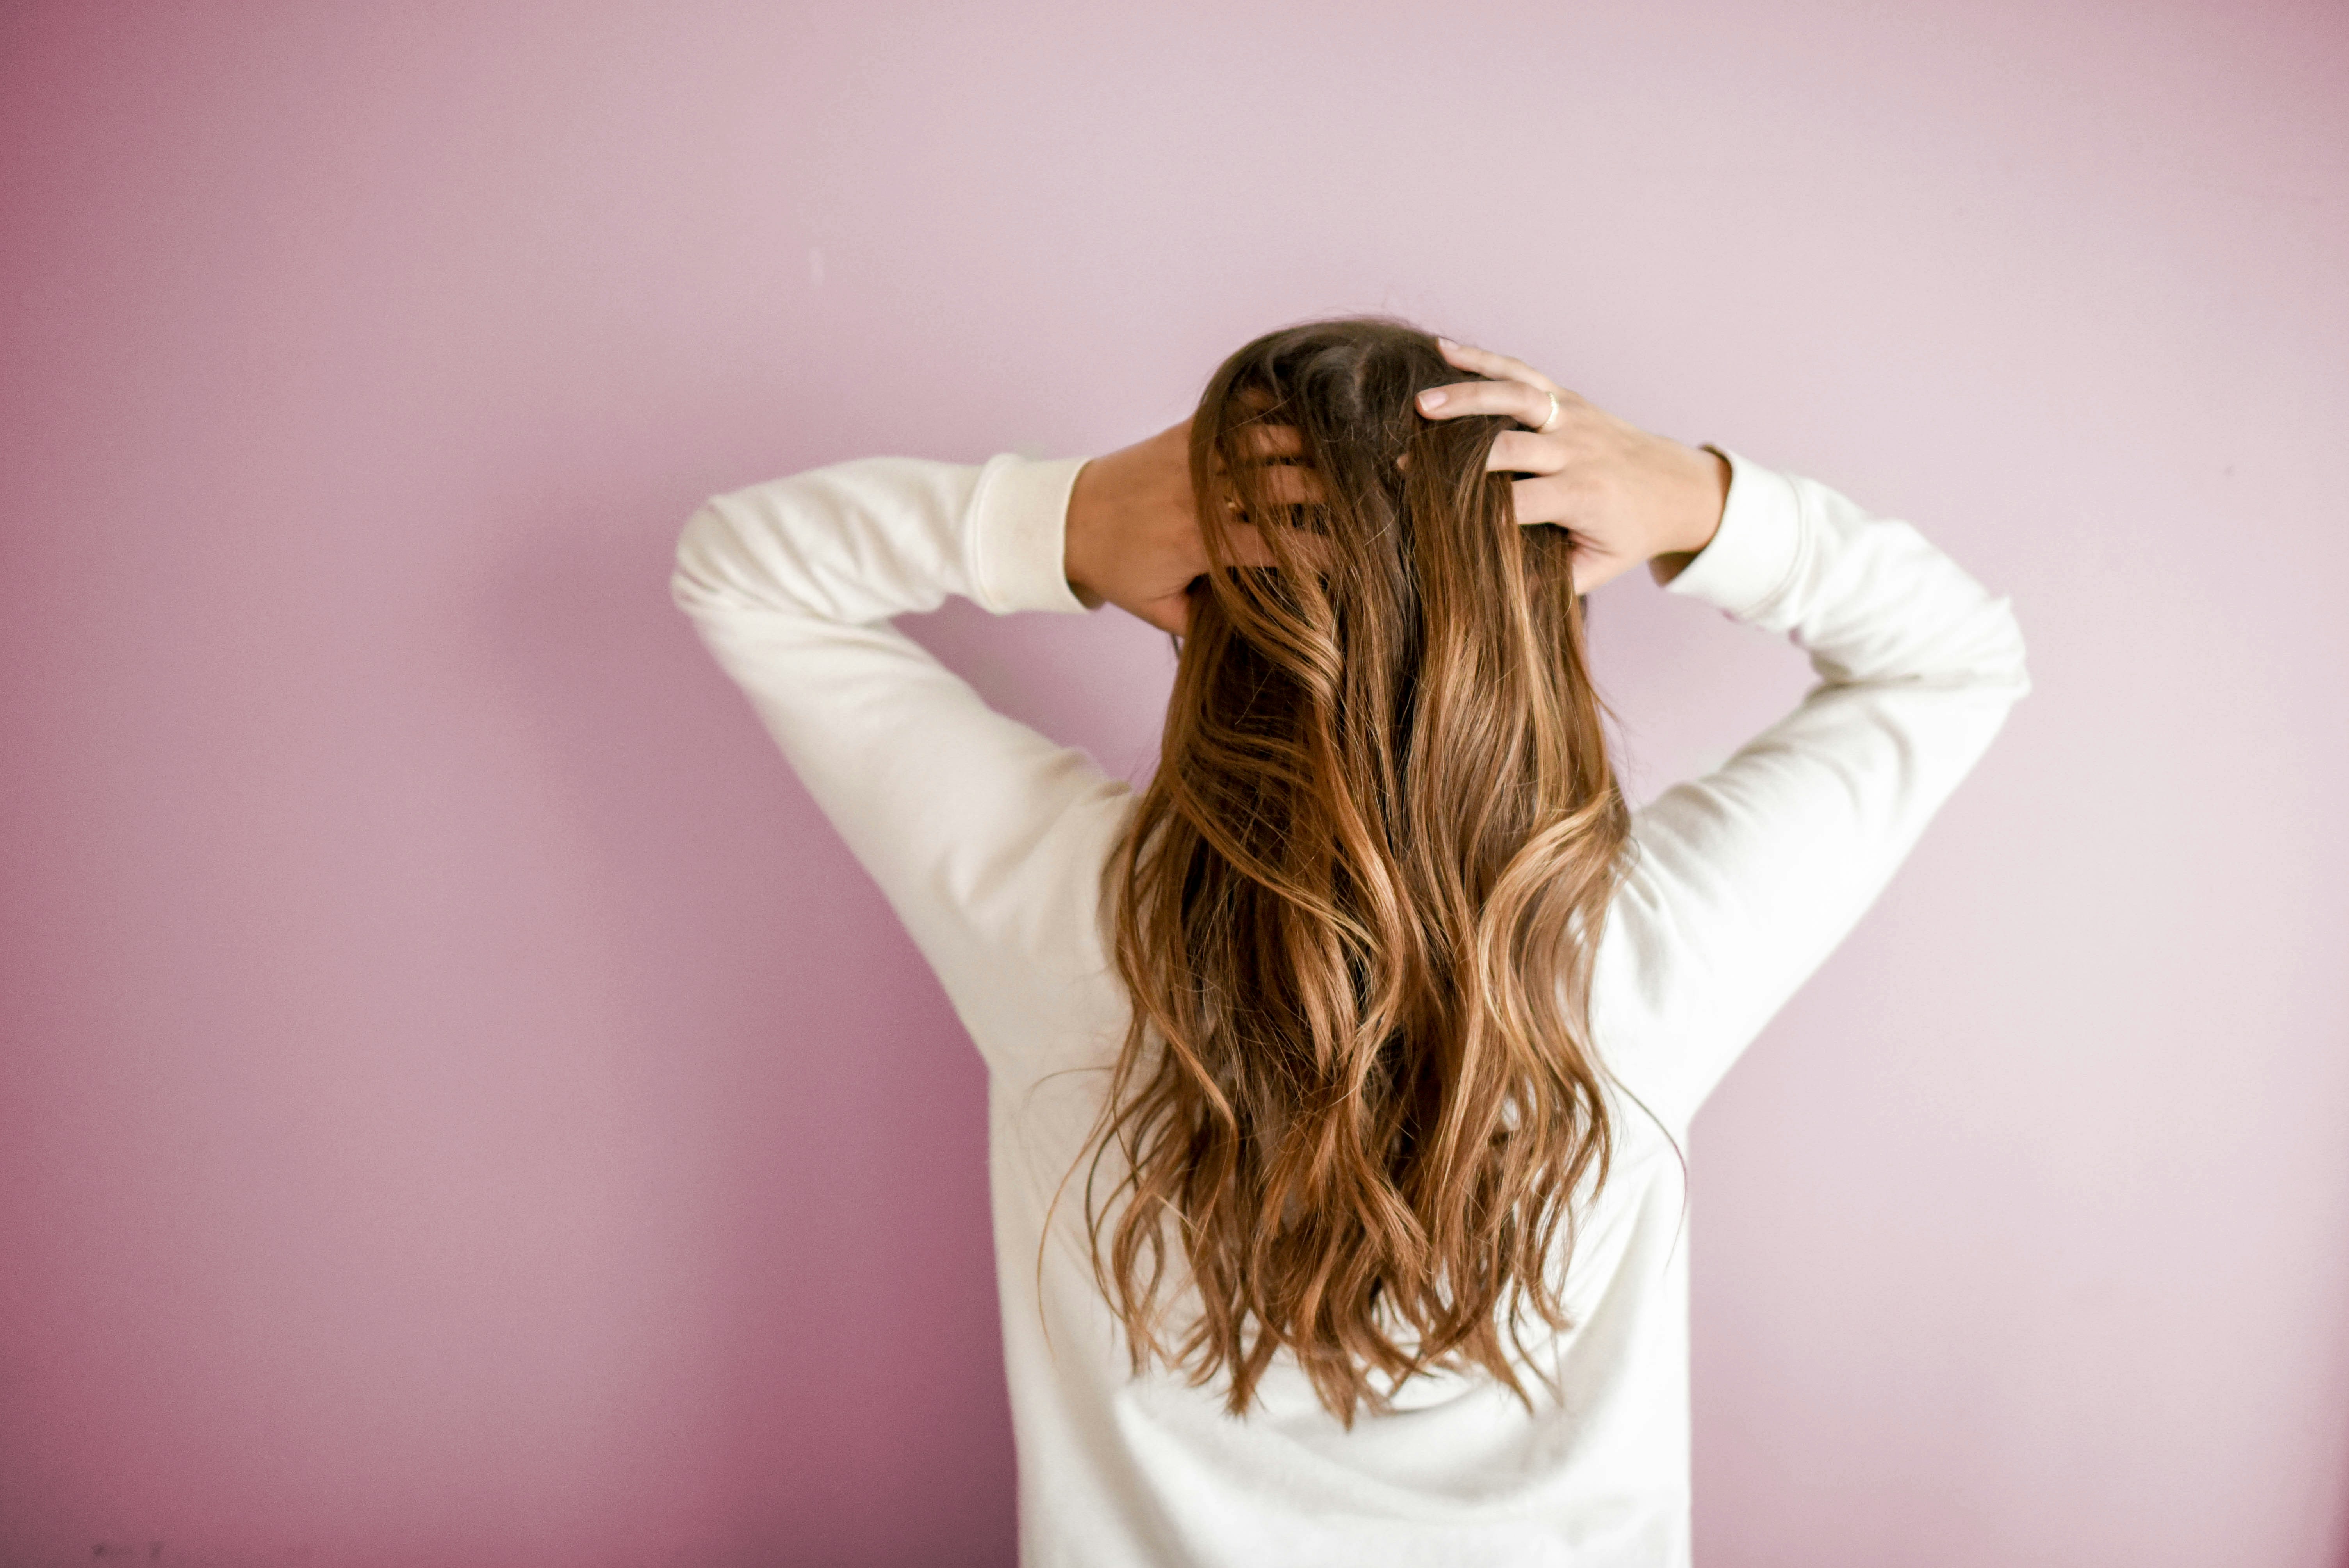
<point>976,828</point>
<point>1741,883</point>
<point>1745,879</point>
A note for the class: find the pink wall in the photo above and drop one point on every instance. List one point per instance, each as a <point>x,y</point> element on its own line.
<point>459,1106</point>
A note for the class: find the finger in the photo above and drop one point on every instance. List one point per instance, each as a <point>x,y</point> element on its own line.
<point>1270,440</point>
<point>1246,545</point>
<point>1287,484</point>
<point>1526,452</point>
<point>1540,500</point>
<point>1542,503</point>
<point>1273,460</point>
<point>1518,400</point>
<point>1500,367</point>
<point>1291,486</point>
<point>1244,542</point>
<point>1275,454</point>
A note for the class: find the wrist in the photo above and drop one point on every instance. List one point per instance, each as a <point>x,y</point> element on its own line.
<point>1698,519</point>
<point>1709,498</point>
<point>1077,535</point>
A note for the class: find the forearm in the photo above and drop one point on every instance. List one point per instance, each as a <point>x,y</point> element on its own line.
<point>1698,503</point>
<point>1867,597</point>
<point>1745,879</point>
<point>860,542</point>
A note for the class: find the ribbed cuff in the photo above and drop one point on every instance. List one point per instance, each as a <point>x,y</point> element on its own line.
<point>1019,534</point>
<point>1752,557</point>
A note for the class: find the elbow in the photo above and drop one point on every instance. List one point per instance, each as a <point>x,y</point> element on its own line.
<point>2004,660</point>
<point>698,577</point>
<point>1980,652</point>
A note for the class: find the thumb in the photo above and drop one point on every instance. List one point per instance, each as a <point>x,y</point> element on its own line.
<point>1168,612</point>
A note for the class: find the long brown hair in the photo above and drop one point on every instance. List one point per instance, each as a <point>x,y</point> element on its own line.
<point>1356,905</point>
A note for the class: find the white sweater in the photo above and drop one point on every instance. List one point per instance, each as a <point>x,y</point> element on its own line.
<point>989,840</point>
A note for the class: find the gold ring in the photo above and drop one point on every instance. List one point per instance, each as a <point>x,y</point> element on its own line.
<point>1543,428</point>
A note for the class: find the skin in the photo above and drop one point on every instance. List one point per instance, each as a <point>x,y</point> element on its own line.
<point>1624,495</point>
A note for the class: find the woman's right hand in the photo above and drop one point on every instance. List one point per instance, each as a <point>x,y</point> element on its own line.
<point>1623,495</point>
<point>1133,536</point>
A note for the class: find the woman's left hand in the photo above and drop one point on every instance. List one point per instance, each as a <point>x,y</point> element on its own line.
<point>1623,495</point>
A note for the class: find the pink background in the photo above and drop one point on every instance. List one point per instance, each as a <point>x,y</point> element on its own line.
<point>460,1105</point>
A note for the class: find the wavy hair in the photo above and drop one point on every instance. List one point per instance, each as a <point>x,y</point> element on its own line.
<point>1356,905</point>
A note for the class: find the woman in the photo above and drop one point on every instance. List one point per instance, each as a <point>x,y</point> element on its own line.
<point>1339,1078</point>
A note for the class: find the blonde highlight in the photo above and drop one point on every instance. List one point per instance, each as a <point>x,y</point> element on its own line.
<point>1356,905</point>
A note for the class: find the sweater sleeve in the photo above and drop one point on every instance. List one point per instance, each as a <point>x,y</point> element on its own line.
<point>1741,883</point>
<point>985,836</point>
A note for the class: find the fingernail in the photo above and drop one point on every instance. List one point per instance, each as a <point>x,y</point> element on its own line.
<point>1432,399</point>
<point>1447,343</point>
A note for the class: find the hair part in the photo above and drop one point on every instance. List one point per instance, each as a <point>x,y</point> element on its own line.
<point>1356,905</point>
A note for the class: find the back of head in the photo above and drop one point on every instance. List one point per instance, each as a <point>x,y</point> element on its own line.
<point>1356,906</point>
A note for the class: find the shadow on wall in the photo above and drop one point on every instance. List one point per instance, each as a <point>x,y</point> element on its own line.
<point>797,1055</point>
